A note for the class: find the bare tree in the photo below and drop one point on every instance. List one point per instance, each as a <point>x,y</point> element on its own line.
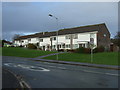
<point>15,36</point>
<point>116,39</point>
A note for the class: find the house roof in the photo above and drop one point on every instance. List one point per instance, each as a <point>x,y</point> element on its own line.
<point>4,41</point>
<point>82,29</point>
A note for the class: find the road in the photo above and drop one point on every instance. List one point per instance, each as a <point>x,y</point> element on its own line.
<point>51,75</point>
<point>9,80</point>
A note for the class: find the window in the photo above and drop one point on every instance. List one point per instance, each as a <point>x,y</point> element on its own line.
<point>67,37</point>
<point>104,35</point>
<point>67,45</point>
<point>29,39</point>
<point>54,46</point>
<point>82,45</point>
<point>63,45</point>
<point>54,38</point>
<point>75,36</point>
<point>92,35</point>
<point>75,45</point>
<point>37,39</point>
<point>41,40</point>
<point>60,46</point>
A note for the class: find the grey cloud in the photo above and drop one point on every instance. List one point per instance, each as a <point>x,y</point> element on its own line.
<point>33,17</point>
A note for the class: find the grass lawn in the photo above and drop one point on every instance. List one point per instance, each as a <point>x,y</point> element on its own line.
<point>23,52</point>
<point>108,58</point>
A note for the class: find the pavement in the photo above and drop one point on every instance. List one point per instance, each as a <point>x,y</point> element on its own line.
<point>74,63</point>
<point>49,55</point>
<point>55,75</point>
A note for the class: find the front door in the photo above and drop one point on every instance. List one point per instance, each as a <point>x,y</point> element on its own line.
<point>44,48</point>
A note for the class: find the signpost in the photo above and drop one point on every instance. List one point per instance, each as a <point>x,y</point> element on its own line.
<point>92,46</point>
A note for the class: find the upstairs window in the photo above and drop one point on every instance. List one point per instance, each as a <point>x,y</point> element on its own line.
<point>29,39</point>
<point>54,38</point>
<point>37,39</point>
<point>75,36</point>
<point>67,37</point>
<point>92,35</point>
<point>41,40</point>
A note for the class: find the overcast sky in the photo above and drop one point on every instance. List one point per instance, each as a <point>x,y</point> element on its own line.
<point>31,17</point>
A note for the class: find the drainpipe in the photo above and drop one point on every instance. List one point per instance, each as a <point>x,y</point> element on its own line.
<point>51,43</point>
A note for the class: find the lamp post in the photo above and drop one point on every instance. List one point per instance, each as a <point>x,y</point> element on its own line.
<point>56,32</point>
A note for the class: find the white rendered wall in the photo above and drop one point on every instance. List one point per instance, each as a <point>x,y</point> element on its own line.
<point>82,38</point>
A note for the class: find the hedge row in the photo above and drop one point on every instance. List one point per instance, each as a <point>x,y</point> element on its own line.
<point>88,50</point>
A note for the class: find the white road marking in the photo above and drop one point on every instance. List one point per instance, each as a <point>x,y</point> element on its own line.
<point>43,69</point>
<point>112,74</point>
<point>101,73</point>
<point>55,67</point>
<point>29,67</point>
<point>84,70</point>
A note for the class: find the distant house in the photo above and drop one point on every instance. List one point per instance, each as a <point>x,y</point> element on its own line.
<point>70,38</point>
<point>6,43</point>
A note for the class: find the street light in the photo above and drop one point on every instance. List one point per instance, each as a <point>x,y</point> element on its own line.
<point>56,31</point>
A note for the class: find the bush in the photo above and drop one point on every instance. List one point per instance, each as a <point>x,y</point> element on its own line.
<point>99,49</point>
<point>20,46</point>
<point>70,50</point>
<point>80,50</point>
<point>31,46</point>
<point>61,50</point>
<point>83,50</point>
<point>40,48</point>
<point>87,50</point>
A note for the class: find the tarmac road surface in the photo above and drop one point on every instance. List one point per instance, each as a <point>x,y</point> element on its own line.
<point>52,75</point>
<point>9,80</point>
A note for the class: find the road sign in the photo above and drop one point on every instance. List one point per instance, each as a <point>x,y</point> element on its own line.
<point>91,40</point>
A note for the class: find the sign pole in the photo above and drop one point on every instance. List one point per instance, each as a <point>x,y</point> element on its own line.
<point>91,55</point>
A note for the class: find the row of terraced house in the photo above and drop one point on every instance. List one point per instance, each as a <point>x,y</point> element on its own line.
<point>70,38</point>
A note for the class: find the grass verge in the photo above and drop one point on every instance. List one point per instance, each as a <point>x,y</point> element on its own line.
<point>107,58</point>
<point>23,52</point>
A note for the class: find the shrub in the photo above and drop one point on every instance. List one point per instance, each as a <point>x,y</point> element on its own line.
<point>40,48</point>
<point>31,46</point>
<point>71,50</point>
<point>20,46</point>
<point>99,49</point>
<point>95,50</point>
<point>87,50</point>
<point>80,50</point>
